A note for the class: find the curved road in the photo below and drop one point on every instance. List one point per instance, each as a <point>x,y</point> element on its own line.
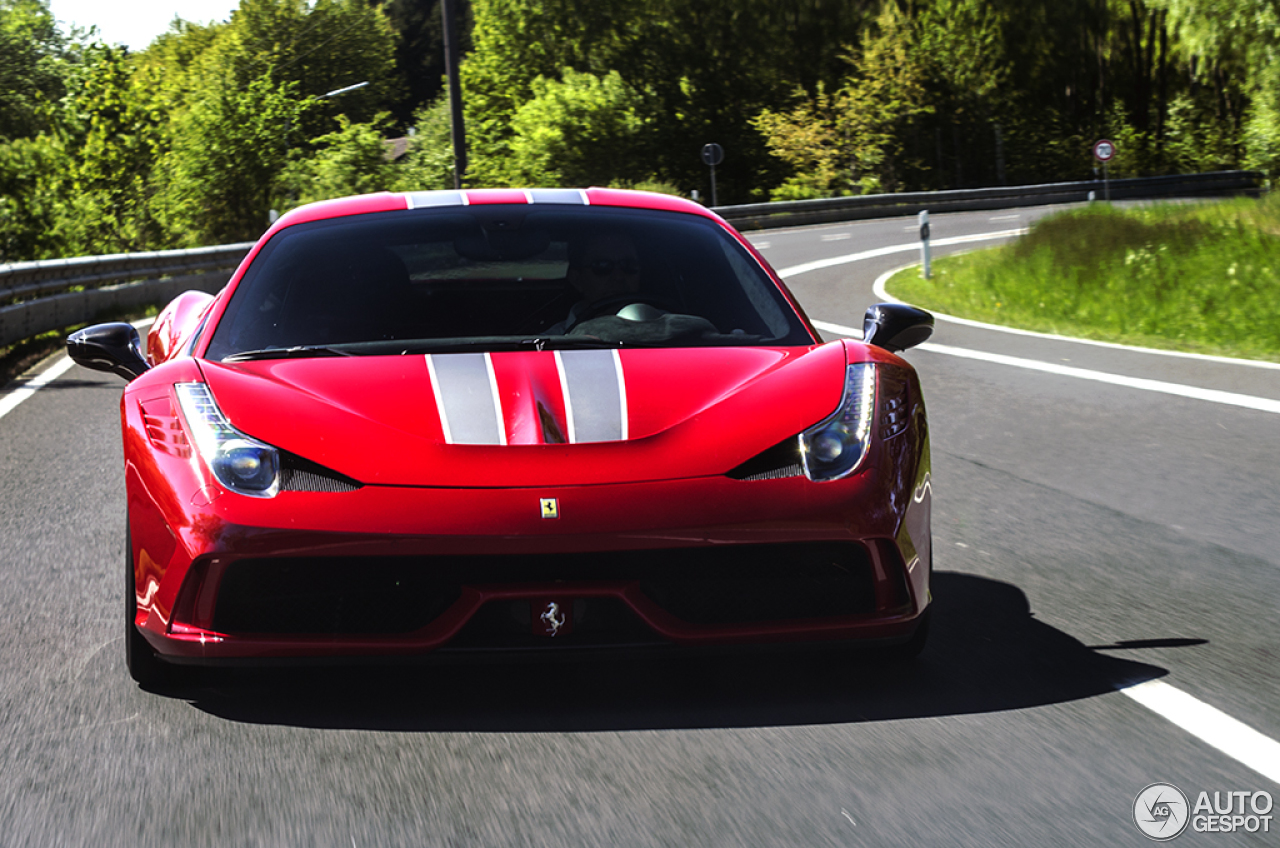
<point>1109,562</point>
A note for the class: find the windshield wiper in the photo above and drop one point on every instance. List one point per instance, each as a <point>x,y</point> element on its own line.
<point>501,343</point>
<point>570,343</point>
<point>296,352</point>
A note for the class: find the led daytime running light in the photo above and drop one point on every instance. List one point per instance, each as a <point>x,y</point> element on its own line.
<point>836,447</point>
<point>239,462</point>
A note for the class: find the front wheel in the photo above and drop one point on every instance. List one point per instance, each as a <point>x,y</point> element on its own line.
<point>909,650</point>
<point>141,660</point>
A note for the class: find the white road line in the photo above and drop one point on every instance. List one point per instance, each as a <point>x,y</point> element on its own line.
<point>836,237</point>
<point>10,401</point>
<point>1176,389</point>
<point>882,292</point>
<point>1005,218</point>
<point>1209,724</point>
<point>838,329</point>
<point>893,248</point>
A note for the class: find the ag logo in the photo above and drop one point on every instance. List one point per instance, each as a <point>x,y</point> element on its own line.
<point>1160,811</point>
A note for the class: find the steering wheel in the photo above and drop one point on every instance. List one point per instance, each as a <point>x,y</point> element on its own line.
<point>618,302</point>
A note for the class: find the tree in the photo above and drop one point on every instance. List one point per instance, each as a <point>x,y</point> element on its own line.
<point>350,161</point>
<point>578,130</point>
<point>29,203</point>
<point>112,137</point>
<point>228,151</point>
<point>30,49</point>
<point>320,46</point>
<point>807,139</point>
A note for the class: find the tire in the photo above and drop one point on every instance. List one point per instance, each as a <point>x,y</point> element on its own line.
<point>907,652</point>
<point>144,667</point>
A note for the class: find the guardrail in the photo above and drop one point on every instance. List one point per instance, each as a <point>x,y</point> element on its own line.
<point>36,297</point>
<point>50,294</point>
<point>797,213</point>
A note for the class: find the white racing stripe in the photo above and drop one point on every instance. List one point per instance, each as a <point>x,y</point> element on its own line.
<point>467,398</point>
<point>1209,724</point>
<point>595,397</point>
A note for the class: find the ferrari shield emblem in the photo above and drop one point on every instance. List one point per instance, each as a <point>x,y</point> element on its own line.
<point>550,508</point>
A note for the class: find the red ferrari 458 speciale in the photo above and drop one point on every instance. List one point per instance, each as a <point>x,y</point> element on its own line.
<point>513,419</point>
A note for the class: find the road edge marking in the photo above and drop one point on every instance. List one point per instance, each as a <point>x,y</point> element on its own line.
<point>11,401</point>
<point>1142,383</point>
<point>879,288</point>
<point>832,261</point>
<point>1210,725</point>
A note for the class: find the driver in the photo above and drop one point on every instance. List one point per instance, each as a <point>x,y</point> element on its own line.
<point>602,268</point>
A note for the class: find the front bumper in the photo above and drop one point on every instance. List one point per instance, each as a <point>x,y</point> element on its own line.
<point>402,571</point>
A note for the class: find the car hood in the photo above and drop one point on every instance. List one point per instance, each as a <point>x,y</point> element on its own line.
<point>532,418</point>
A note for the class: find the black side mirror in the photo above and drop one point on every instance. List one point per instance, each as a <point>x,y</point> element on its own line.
<point>113,347</point>
<point>896,326</point>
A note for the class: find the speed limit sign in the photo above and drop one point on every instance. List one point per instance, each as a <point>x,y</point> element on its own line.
<point>1104,150</point>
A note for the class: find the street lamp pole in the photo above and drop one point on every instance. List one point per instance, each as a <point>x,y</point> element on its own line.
<point>338,91</point>
<point>457,130</point>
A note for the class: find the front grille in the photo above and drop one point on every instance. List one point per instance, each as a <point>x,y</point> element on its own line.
<point>721,585</point>
<point>347,595</point>
<point>761,583</point>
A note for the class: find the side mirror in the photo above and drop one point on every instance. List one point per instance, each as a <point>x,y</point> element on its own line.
<point>113,347</point>
<point>896,326</point>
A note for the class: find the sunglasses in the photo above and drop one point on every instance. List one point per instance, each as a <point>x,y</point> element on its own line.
<point>605,267</point>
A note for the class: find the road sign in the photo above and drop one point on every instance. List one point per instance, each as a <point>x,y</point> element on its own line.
<point>1104,150</point>
<point>713,154</point>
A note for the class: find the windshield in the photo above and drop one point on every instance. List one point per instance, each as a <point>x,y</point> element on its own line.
<point>502,277</point>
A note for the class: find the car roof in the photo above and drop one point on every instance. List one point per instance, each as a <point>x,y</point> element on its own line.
<point>394,201</point>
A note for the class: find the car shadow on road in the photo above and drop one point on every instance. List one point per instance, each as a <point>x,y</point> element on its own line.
<point>987,652</point>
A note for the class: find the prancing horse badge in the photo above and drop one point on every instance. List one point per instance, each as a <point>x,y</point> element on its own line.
<point>550,508</point>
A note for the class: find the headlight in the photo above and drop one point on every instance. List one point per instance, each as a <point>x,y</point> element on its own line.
<point>835,448</point>
<point>239,462</point>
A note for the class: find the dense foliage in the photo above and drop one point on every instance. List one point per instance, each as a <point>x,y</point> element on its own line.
<point>197,138</point>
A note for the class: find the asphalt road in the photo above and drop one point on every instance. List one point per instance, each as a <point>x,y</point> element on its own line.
<point>1089,535</point>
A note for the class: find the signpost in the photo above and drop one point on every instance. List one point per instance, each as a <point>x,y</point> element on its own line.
<point>1104,151</point>
<point>712,155</point>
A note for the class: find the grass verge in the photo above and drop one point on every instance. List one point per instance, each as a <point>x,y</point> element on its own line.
<point>1198,277</point>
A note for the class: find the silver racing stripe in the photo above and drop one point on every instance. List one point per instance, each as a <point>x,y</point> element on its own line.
<point>595,395</point>
<point>466,392</point>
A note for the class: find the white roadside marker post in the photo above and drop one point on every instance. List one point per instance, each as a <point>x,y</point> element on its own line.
<point>924,243</point>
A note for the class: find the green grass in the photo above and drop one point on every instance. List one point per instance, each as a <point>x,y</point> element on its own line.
<point>1194,277</point>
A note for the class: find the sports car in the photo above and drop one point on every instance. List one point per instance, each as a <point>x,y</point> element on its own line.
<point>513,420</point>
